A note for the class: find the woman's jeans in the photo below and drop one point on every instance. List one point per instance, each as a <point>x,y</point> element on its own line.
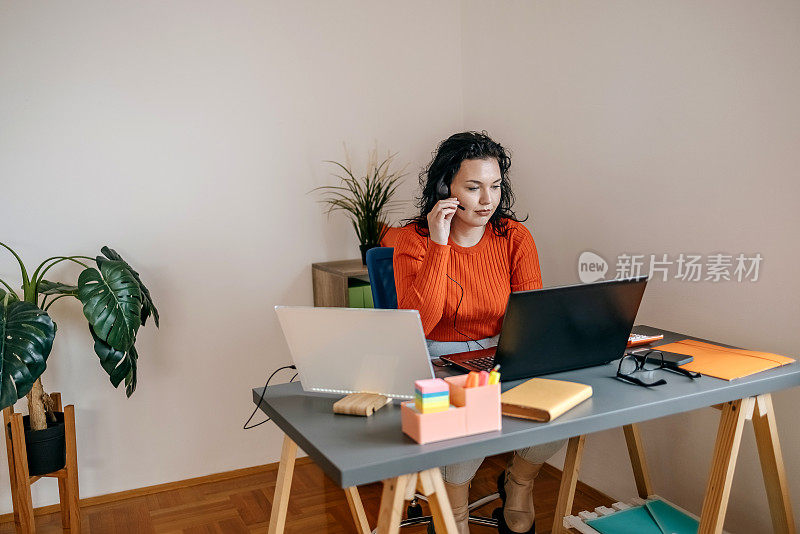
<point>462,472</point>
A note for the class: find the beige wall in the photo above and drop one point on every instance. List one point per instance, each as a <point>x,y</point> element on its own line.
<point>658,127</point>
<point>195,131</point>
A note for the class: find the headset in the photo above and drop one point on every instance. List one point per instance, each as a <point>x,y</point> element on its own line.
<point>443,191</point>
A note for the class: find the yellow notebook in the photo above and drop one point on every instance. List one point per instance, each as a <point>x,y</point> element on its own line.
<point>543,399</point>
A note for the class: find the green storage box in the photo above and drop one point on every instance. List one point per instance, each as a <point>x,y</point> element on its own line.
<point>360,294</point>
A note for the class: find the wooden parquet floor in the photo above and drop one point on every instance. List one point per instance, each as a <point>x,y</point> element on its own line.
<point>317,505</point>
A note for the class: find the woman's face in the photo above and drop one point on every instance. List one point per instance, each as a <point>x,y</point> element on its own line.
<point>476,185</point>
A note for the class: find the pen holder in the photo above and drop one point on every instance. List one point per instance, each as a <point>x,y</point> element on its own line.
<point>472,411</point>
<point>482,404</point>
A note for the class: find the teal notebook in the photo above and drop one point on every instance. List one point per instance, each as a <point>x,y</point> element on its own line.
<point>670,520</point>
<point>631,521</point>
<point>655,517</point>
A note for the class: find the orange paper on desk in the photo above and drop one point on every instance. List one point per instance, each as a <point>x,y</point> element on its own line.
<point>723,362</point>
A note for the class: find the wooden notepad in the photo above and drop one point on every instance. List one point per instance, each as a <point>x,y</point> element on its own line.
<point>543,399</point>
<point>363,404</point>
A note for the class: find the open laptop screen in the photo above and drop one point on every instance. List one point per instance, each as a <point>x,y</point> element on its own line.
<point>349,350</point>
<point>560,328</point>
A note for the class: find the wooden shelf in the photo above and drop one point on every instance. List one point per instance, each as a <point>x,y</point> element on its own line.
<point>330,280</point>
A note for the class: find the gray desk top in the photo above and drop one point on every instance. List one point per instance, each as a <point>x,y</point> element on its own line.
<point>359,450</point>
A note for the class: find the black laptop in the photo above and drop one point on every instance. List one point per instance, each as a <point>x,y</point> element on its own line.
<point>560,328</point>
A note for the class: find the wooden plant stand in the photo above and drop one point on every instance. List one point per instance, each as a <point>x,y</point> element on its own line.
<point>20,478</point>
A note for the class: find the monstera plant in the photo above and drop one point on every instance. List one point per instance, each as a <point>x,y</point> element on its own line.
<point>115,303</point>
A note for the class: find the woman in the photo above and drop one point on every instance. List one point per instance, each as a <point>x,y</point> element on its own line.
<point>456,263</point>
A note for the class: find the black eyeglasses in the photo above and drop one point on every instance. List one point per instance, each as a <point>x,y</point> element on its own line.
<point>652,360</point>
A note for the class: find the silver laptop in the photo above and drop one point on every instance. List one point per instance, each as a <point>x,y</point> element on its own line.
<point>350,350</point>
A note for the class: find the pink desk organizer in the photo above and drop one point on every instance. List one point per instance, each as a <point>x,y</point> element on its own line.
<point>472,411</point>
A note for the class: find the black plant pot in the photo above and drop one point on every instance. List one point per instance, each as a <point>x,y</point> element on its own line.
<point>47,449</point>
<point>364,249</point>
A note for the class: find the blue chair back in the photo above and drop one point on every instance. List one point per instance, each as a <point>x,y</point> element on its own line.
<point>381,277</point>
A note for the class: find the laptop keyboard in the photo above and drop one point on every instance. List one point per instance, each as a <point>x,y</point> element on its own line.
<point>482,364</point>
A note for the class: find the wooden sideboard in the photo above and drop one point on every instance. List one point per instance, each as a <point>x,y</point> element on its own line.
<point>331,278</point>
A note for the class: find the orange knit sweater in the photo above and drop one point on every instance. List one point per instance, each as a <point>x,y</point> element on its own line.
<point>488,272</point>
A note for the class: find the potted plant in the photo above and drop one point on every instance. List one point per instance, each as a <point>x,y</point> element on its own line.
<point>115,303</point>
<point>367,199</point>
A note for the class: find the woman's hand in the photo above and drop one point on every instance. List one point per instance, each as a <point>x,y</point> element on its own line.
<point>439,219</point>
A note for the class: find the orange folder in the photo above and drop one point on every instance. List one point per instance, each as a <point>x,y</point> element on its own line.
<point>724,362</point>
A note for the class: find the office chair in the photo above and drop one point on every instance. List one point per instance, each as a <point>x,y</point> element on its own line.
<point>381,277</point>
<point>384,295</point>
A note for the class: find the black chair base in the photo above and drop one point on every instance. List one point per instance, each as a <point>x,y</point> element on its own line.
<point>413,519</point>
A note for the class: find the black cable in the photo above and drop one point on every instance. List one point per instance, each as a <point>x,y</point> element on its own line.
<point>260,400</point>
<point>455,316</point>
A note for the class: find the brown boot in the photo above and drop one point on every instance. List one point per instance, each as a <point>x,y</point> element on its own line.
<point>518,489</point>
<point>458,495</point>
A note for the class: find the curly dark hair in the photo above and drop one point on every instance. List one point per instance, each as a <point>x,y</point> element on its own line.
<point>445,164</point>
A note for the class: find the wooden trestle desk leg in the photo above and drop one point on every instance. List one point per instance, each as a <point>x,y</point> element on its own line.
<point>726,449</point>
<point>398,490</point>
<point>283,485</point>
<point>636,452</point>
<point>569,479</point>
<point>431,484</point>
<point>280,501</point>
<point>572,464</point>
<point>392,499</point>
<point>769,453</point>
<point>357,509</point>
